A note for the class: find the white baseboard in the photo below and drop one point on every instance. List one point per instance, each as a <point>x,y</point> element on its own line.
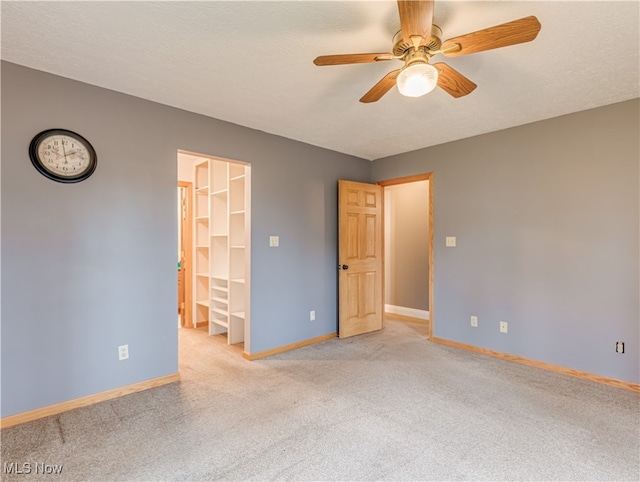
<point>404,311</point>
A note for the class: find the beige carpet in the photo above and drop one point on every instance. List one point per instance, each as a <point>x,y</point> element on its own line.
<point>382,406</point>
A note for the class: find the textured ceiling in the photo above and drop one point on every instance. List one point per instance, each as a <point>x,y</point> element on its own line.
<point>250,63</point>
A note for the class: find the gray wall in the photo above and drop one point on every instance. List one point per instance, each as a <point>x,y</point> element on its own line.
<point>90,266</point>
<point>546,217</point>
<point>407,256</point>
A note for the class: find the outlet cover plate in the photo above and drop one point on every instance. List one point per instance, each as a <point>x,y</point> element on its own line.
<point>123,352</point>
<point>504,327</point>
<point>474,321</point>
<point>274,241</point>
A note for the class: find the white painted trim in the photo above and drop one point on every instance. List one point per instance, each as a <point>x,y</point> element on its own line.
<point>404,311</point>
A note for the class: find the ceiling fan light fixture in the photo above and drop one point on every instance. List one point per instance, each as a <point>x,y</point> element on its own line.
<point>417,79</point>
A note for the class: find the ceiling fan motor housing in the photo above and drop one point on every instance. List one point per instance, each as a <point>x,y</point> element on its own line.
<point>400,47</point>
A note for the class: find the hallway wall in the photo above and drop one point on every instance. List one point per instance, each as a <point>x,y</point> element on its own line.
<point>406,245</point>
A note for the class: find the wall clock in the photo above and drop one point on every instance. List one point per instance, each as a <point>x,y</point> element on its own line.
<point>63,155</point>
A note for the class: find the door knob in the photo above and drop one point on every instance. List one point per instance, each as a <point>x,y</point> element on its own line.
<point>344,266</point>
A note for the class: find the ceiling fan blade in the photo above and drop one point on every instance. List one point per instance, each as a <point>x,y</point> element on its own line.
<point>510,33</point>
<point>381,88</point>
<point>351,59</point>
<point>416,18</point>
<point>453,81</point>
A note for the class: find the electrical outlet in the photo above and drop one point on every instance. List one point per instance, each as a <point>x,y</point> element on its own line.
<point>123,352</point>
<point>274,241</point>
<point>450,242</point>
<point>474,321</point>
<point>504,327</point>
<point>619,346</point>
<point>312,315</point>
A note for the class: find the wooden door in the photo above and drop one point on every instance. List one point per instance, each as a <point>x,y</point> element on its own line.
<point>185,254</point>
<point>360,254</point>
<point>181,292</point>
<point>182,208</point>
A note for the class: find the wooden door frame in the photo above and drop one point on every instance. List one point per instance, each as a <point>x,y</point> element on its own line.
<point>188,255</point>
<point>406,180</point>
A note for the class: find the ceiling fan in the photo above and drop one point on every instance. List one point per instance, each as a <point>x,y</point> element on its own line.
<point>418,40</point>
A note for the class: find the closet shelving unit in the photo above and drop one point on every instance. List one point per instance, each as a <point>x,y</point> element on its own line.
<point>237,249</point>
<point>223,250</point>
<point>220,246</point>
<point>202,258</point>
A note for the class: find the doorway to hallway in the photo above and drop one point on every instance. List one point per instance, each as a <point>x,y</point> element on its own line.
<point>408,257</point>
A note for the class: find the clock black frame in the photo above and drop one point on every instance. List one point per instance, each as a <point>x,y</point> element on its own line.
<point>39,164</point>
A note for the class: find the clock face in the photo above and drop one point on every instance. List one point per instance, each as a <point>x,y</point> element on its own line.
<point>62,155</point>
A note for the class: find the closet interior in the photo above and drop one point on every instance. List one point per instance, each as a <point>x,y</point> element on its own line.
<point>221,238</point>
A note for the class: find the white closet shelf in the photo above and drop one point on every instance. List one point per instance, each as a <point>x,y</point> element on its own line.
<point>220,192</point>
<point>203,219</point>
<point>202,190</point>
<point>204,275</point>
<point>202,302</point>
<point>202,246</point>
<point>223,289</point>
<point>237,178</point>
<point>219,311</point>
<point>238,246</point>
<point>220,300</point>
<point>220,323</point>
<point>241,211</point>
<point>238,314</point>
<point>219,235</point>
<point>237,280</point>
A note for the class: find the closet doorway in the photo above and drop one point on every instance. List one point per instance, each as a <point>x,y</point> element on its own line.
<point>408,246</point>
<point>220,245</point>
